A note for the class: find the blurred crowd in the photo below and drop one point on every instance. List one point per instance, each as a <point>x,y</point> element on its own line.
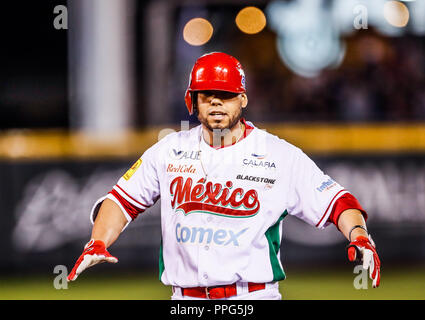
<point>380,79</point>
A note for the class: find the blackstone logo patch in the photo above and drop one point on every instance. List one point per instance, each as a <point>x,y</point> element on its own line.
<point>255,179</point>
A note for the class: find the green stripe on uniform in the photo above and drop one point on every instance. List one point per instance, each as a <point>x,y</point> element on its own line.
<point>273,237</point>
<point>161,261</point>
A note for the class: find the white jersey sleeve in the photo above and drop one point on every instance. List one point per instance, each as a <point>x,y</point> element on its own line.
<point>137,189</point>
<point>313,193</point>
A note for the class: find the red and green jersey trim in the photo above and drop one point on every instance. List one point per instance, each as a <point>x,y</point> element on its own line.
<point>274,237</point>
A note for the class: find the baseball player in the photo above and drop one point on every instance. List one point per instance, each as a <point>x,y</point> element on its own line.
<point>226,187</point>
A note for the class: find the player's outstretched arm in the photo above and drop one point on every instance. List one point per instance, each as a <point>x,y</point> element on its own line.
<point>107,227</point>
<point>361,248</point>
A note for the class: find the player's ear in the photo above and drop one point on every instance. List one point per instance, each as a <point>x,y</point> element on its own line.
<point>244,98</point>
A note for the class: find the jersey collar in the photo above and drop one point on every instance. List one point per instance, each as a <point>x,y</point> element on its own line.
<point>248,129</point>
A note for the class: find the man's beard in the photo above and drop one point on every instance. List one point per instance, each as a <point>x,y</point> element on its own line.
<point>232,123</point>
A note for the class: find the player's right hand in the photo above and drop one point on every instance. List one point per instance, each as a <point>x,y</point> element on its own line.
<point>94,252</point>
<point>363,249</point>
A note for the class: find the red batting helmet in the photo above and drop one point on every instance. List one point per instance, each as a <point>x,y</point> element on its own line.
<point>215,71</point>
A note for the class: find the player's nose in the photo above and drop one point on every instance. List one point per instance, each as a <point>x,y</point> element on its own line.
<point>216,101</point>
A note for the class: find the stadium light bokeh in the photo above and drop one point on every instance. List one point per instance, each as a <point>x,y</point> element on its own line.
<point>306,39</point>
<point>396,13</point>
<point>310,35</point>
<point>197,31</point>
<point>251,20</point>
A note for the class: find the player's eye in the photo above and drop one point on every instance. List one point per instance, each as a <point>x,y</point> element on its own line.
<point>223,95</point>
<point>206,94</point>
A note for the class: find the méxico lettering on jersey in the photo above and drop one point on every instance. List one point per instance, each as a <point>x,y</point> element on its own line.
<point>189,197</point>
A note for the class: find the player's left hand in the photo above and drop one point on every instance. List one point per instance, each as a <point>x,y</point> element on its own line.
<point>363,249</point>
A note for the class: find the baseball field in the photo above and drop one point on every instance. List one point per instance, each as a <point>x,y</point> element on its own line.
<point>407,283</point>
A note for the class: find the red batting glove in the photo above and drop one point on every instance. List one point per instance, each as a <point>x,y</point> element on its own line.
<point>94,252</point>
<point>363,249</point>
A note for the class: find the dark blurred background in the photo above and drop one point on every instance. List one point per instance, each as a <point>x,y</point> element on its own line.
<point>87,86</point>
<point>377,76</point>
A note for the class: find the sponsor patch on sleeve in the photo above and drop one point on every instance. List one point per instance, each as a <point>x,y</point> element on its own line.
<point>132,170</point>
<point>328,184</point>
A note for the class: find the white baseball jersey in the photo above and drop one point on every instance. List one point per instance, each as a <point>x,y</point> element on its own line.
<point>222,209</point>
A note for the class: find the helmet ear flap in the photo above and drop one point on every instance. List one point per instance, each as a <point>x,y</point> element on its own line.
<point>191,98</point>
<point>194,95</point>
<point>188,100</point>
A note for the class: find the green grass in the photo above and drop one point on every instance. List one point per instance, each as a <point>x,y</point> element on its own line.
<point>397,284</point>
